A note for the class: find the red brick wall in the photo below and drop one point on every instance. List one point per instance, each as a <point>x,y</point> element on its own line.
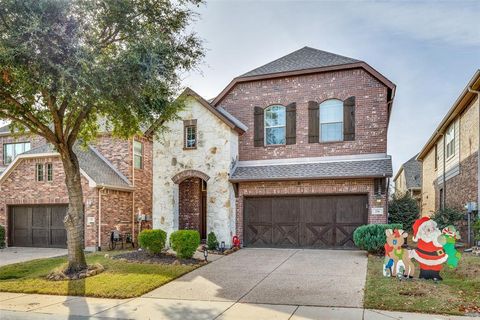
<point>116,210</point>
<point>117,151</point>
<point>143,182</point>
<point>463,187</point>
<point>318,187</point>
<point>189,204</point>
<point>21,187</point>
<point>371,112</point>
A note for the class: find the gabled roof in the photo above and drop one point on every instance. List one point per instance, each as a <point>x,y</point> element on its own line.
<point>304,58</point>
<point>222,114</point>
<point>370,168</point>
<point>462,102</point>
<point>96,168</point>
<point>413,173</point>
<point>5,129</point>
<point>305,61</point>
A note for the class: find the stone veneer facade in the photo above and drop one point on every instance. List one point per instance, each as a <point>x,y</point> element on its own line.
<point>211,161</point>
<point>111,208</point>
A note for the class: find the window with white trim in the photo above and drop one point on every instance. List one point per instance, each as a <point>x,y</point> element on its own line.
<point>12,150</point>
<point>450,142</point>
<point>275,125</point>
<point>331,120</point>
<point>138,154</point>
<point>49,169</point>
<point>39,173</point>
<point>191,137</point>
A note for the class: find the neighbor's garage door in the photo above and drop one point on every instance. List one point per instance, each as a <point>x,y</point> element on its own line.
<point>37,226</point>
<point>305,221</point>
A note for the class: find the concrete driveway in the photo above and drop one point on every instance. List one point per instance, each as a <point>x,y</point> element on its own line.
<point>330,278</point>
<point>20,254</point>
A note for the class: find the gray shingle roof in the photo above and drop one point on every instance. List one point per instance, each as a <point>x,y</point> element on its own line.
<point>320,170</point>
<point>413,173</point>
<point>5,129</point>
<point>304,58</point>
<point>234,120</point>
<point>94,164</point>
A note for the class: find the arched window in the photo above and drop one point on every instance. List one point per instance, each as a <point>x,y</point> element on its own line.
<point>331,120</point>
<point>275,122</point>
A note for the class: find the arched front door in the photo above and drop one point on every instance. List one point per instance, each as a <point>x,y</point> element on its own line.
<point>192,198</point>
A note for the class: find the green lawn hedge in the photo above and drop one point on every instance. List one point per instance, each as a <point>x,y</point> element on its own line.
<point>185,243</point>
<point>152,240</point>
<point>371,237</point>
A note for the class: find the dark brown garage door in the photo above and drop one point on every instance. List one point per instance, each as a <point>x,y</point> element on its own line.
<point>305,221</point>
<point>37,226</point>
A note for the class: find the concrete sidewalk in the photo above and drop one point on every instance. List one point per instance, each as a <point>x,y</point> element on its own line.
<point>40,307</point>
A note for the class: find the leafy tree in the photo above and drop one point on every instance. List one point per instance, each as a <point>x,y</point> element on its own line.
<point>65,64</point>
<point>448,216</point>
<point>404,210</point>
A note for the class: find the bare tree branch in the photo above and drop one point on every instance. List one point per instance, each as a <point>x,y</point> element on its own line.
<point>26,114</point>
<point>72,137</point>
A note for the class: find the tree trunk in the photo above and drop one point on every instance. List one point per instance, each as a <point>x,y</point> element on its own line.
<point>74,220</point>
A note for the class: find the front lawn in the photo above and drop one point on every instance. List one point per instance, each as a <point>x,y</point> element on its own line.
<point>458,293</point>
<point>119,280</point>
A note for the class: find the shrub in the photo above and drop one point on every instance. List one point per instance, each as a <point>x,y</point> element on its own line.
<point>403,209</point>
<point>447,217</point>
<point>212,242</point>
<point>152,240</point>
<point>2,237</point>
<point>185,243</point>
<point>476,229</point>
<point>371,237</point>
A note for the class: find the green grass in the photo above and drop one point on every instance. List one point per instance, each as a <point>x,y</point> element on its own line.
<point>119,280</point>
<point>459,292</point>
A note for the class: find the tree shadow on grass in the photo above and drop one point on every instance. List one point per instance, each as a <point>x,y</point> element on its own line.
<point>77,288</point>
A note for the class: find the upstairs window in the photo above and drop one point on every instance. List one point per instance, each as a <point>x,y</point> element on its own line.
<point>138,154</point>
<point>331,121</point>
<point>12,150</point>
<point>39,172</point>
<point>275,125</point>
<point>190,134</point>
<point>450,142</point>
<point>49,169</point>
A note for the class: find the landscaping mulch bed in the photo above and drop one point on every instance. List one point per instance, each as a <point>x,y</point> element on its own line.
<point>161,258</point>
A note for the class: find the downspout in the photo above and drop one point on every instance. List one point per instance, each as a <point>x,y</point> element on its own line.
<point>133,192</point>
<point>100,218</point>
<point>444,174</point>
<point>478,150</point>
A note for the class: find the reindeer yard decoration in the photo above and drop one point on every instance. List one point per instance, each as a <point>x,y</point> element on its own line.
<point>397,258</point>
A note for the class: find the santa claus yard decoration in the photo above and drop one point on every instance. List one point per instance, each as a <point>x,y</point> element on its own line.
<point>429,252</point>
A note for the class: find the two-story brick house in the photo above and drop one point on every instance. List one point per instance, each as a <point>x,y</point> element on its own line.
<point>450,157</point>
<point>291,154</point>
<point>116,181</point>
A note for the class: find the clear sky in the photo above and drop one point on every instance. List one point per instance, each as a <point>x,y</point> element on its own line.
<point>430,50</point>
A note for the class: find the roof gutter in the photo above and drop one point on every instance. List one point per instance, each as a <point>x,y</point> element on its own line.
<point>233,180</point>
<point>470,89</point>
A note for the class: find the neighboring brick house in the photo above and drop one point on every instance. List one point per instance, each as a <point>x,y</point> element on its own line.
<point>303,155</point>
<point>116,181</point>
<point>452,180</point>
<point>409,180</point>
